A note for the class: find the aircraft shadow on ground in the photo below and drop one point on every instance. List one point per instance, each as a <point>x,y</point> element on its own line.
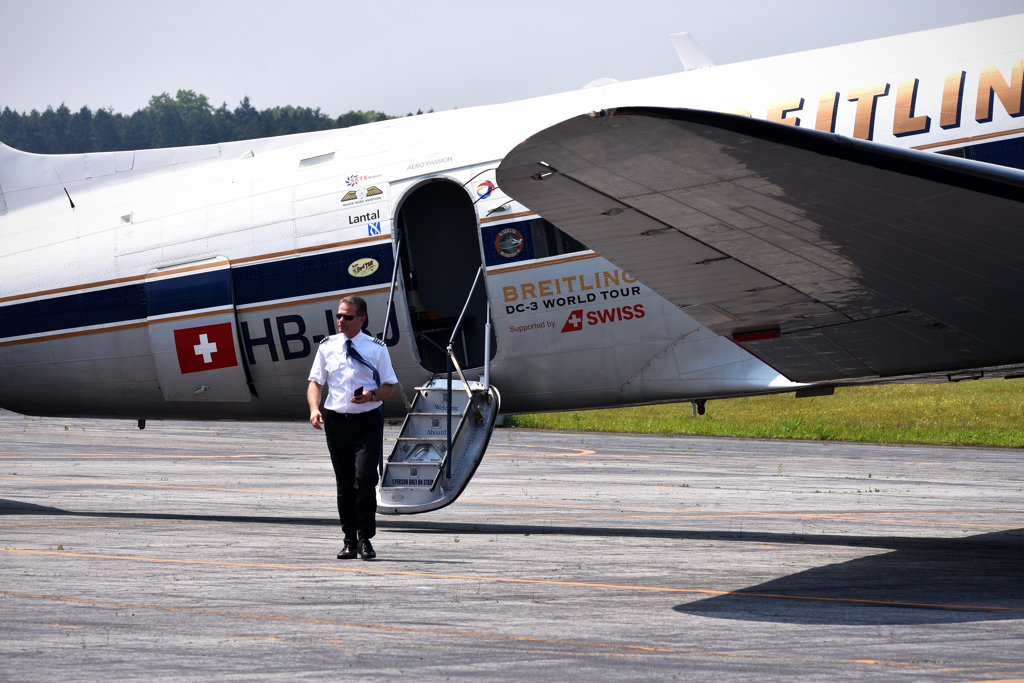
<point>17,507</point>
<point>944,577</point>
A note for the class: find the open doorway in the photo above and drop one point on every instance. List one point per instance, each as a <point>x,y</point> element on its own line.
<point>440,258</point>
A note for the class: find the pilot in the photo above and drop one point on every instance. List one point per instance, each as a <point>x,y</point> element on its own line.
<point>358,373</point>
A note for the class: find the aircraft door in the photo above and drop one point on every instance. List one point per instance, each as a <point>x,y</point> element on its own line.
<point>440,258</point>
<point>193,333</point>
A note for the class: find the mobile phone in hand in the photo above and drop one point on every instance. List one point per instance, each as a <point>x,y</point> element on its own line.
<point>358,392</point>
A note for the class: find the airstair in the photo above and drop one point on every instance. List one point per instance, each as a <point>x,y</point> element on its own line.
<point>426,470</point>
<point>433,459</point>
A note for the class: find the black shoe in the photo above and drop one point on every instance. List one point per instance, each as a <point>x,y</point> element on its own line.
<point>366,550</point>
<point>349,551</point>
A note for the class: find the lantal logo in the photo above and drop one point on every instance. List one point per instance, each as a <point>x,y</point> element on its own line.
<point>205,348</point>
<point>574,322</point>
<point>484,189</point>
<point>364,217</point>
<point>374,229</point>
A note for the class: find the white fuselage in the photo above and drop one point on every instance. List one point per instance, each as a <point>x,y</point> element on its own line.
<point>114,307</point>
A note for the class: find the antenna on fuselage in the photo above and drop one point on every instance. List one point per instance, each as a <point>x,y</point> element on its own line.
<point>690,53</point>
<point>62,186</point>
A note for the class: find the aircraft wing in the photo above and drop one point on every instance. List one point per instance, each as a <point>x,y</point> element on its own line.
<point>828,258</point>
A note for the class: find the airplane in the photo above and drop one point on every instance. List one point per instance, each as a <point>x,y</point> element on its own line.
<point>847,215</point>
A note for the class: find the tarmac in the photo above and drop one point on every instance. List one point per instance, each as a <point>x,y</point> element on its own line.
<point>207,550</point>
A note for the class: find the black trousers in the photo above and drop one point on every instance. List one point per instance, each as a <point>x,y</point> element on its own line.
<point>355,445</point>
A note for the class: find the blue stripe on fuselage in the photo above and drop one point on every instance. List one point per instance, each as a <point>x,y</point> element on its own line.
<point>257,283</point>
<point>101,307</point>
<point>189,293</point>
<point>294,277</point>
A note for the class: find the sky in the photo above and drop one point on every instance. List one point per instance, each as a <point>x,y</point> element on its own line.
<point>402,56</point>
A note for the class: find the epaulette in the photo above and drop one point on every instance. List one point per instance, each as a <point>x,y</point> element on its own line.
<point>324,340</point>
<point>379,341</point>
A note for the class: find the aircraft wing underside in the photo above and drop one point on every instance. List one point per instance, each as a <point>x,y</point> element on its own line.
<point>829,258</point>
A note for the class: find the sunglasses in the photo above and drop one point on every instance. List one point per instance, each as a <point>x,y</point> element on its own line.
<point>342,316</point>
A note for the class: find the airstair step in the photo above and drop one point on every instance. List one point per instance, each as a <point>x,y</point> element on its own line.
<point>418,475</point>
<point>418,414</point>
<point>456,413</point>
<point>414,485</point>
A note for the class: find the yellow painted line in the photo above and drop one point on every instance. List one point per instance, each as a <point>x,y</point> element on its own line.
<point>224,310</point>
<point>854,516</point>
<point>558,455</point>
<point>542,264</point>
<point>104,456</point>
<point>744,513</point>
<point>186,269</point>
<point>81,333</point>
<point>960,141</point>
<point>162,486</point>
<point>305,639</point>
<point>703,591</point>
<point>565,505</point>
<point>299,302</point>
<point>579,451</point>
<point>36,623</point>
<point>758,515</point>
<point>297,639</point>
<point>191,634</point>
<point>127,522</point>
<point>500,579</point>
<point>492,219</point>
<point>153,559</point>
<point>732,455</point>
<point>631,650</point>
<point>376,627</point>
<point>554,455</point>
<point>306,250</point>
<point>193,316</point>
<point>316,493</point>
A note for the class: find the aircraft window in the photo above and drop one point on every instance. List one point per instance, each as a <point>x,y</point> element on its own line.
<point>550,241</point>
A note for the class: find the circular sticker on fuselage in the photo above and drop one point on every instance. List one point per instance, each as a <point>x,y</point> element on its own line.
<point>484,189</point>
<point>363,267</point>
<point>509,242</point>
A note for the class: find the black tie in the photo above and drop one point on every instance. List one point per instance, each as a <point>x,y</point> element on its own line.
<point>350,349</point>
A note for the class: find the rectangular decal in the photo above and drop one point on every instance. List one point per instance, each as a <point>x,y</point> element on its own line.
<point>205,348</point>
<point>359,192</point>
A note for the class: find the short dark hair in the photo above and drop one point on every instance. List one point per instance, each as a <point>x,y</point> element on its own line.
<point>357,301</point>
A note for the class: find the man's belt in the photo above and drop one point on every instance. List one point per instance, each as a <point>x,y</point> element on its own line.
<point>349,416</point>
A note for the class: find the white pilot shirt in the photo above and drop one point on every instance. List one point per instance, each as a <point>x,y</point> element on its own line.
<point>343,375</point>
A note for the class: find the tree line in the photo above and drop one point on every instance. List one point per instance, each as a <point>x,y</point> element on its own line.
<point>185,119</point>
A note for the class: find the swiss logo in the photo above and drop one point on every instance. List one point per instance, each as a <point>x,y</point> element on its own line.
<point>575,322</point>
<point>205,348</point>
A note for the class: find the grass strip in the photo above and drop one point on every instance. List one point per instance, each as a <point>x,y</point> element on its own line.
<point>978,413</point>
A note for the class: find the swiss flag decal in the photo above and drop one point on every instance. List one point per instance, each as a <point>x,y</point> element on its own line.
<point>575,322</point>
<point>205,348</point>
